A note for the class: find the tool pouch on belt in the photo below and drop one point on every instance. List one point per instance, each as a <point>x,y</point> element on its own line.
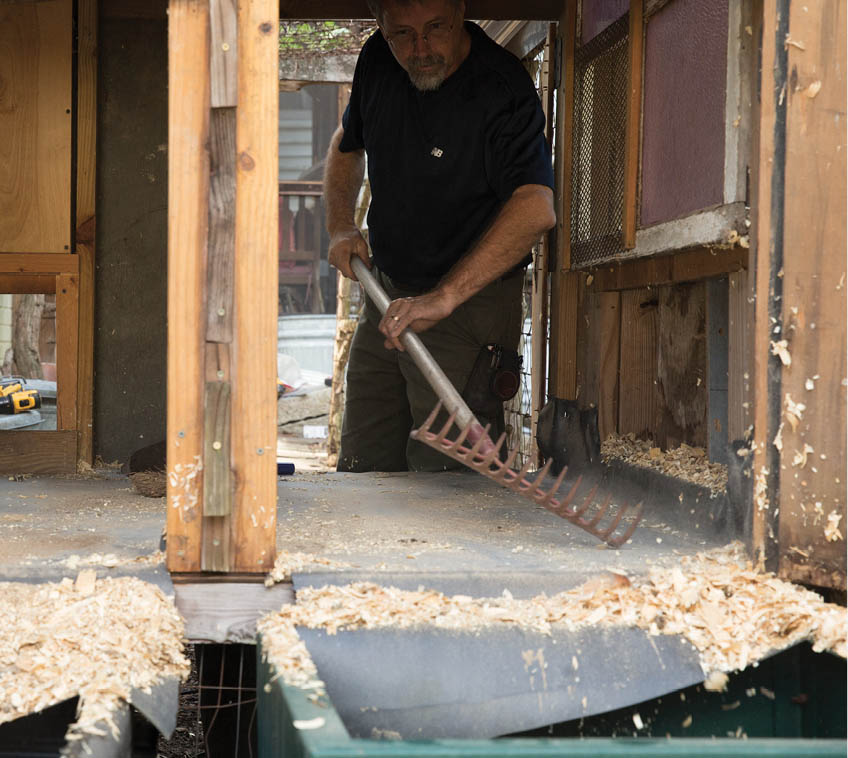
<point>494,379</point>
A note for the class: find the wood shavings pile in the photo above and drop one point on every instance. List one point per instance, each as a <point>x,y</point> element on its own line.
<point>96,638</point>
<point>731,613</point>
<point>150,483</point>
<point>287,563</point>
<point>684,462</point>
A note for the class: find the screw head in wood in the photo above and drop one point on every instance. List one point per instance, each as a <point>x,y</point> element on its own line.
<point>260,451</point>
<point>222,312</point>
<point>225,46</point>
<point>216,445</point>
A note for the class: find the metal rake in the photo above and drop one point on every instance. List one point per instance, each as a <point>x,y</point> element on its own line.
<point>484,456</point>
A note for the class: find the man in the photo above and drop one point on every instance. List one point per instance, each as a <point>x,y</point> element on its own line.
<point>461,185</point>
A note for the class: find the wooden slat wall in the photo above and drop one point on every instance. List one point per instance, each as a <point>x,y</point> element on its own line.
<point>638,410</point>
<point>188,209</point>
<point>813,304</point>
<point>35,134</point>
<point>254,429</point>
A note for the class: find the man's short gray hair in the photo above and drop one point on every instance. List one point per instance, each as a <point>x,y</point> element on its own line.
<point>376,6</point>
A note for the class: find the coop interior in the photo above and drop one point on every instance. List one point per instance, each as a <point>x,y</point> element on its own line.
<point>183,572</point>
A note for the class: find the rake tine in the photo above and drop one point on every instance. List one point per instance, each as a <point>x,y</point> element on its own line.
<point>592,523</point>
<point>538,493</point>
<point>494,455</point>
<point>614,524</point>
<point>520,484</point>
<point>431,418</point>
<point>628,533</point>
<point>443,434</point>
<point>475,450</point>
<point>463,433</point>
<point>489,464</point>
<point>578,512</point>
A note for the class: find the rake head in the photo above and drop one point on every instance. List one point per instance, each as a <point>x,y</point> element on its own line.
<point>484,456</point>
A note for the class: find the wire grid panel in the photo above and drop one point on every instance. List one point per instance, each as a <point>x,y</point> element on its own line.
<point>600,116</point>
<point>227,702</point>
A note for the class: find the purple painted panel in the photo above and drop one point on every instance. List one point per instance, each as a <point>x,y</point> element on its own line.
<point>683,117</point>
<point>598,15</point>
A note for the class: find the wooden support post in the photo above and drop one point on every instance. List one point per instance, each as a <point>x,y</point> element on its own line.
<point>813,456</point>
<point>767,242</point>
<point>188,212</point>
<point>67,315</point>
<point>85,218</point>
<point>634,123</point>
<point>254,428</point>
<point>564,302</point>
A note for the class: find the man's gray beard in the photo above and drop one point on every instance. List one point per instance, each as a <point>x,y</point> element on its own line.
<point>429,81</point>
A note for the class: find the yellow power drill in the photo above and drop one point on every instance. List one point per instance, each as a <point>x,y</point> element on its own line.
<point>16,398</point>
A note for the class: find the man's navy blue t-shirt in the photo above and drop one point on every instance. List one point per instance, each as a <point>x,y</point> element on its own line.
<point>441,164</point>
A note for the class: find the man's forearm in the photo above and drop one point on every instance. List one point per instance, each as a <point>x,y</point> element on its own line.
<point>523,219</point>
<point>343,175</point>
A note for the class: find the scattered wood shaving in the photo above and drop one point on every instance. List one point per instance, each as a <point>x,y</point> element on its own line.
<point>685,462</point>
<point>789,42</point>
<point>793,411</point>
<point>813,88</point>
<point>288,563</point>
<point>732,613</point>
<point>716,682</point>
<point>781,349</point>
<point>831,528</point>
<point>800,457</point>
<point>96,638</point>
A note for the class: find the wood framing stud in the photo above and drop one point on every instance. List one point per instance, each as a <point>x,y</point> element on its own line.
<point>188,213</point>
<point>633,124</point>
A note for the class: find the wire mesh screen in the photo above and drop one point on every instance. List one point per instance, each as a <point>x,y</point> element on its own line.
<point>518,412</point>
<point>600,112</point>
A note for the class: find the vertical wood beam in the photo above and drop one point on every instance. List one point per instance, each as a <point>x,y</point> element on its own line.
<point>813,303</point>
<point>767,244</point>
<point>188,210</point>
<point>564,309</point>
<point>67,316</point>
<point>86,121</point>
<point>737,356</point>
<point>565,133</point>
<point>633,125</point>
<point>254,429</point>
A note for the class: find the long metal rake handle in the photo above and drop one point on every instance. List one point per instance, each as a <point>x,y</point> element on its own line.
<point>420,355</point>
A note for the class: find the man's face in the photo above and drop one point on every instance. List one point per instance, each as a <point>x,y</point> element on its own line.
<point>426,38</point>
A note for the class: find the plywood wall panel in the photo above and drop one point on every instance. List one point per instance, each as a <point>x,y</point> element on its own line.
<point>35,126</point>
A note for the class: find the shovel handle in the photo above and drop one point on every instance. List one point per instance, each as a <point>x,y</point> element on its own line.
<point>420,355</point>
